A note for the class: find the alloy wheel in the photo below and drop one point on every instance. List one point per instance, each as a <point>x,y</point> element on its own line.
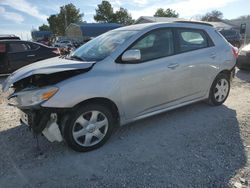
<point>221,90</point>
<point>90,128</point>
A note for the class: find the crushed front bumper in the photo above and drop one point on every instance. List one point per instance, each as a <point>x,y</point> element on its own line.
<point>43,121</point>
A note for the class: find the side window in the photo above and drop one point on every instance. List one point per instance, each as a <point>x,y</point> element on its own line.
<point>190,39</point>
<point>33,46</point>
<point>156,44</point>
<point>17,47</point>
<point>146,42</point>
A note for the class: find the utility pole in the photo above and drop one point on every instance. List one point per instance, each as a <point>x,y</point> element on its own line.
<point>65,18</point>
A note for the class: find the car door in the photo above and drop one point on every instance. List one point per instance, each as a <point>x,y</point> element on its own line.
<point>167,75</point>
<point>144,84</point>
<point>196,58</point>
<point>19,55</point>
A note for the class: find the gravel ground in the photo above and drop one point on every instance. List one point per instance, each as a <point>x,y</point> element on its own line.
<point>194,146</point>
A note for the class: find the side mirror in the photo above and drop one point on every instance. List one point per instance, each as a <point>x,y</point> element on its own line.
<point>131,56</point>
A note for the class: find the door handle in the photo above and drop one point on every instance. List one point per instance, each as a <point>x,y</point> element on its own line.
<point>213,55</point>
<point>173,66</point>
<point>31,55</point>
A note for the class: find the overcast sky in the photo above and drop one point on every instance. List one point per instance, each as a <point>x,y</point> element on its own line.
<point>20,16</point>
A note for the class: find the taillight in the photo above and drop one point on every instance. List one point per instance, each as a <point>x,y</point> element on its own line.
<point>2,48</point>
<point>235,52</point>
<point>57,51</point>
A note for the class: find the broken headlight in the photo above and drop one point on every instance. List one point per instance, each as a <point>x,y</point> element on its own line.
<point>32,97</point>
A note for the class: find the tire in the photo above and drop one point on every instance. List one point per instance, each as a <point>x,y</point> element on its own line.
<point>219,90</point>
<point>96,124</point>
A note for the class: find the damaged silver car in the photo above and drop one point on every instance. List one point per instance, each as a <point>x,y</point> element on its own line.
<point>121,76</point>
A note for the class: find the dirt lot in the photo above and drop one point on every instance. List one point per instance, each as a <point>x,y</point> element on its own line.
<point>194,146</point>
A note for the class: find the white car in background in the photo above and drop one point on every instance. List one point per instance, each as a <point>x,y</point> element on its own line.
<point>63,44</point>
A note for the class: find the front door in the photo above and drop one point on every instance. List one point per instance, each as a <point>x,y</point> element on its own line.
<point>144,83</point>
<point>19,55</point>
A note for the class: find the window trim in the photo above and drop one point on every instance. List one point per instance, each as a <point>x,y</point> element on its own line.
<point>176,43</point>
<point>14,42</point>
<point>30,43</point>
<point>208,38</point>
<point>22,42</point>
<point>119,58</point>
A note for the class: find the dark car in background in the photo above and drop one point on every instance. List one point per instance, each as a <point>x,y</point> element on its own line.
<point>9,37</point>
<point>232,36</point>
<point>243,61</point>
<point>15,54</point>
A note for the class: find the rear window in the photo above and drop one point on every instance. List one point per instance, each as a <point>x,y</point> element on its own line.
<point>190,39</point>
<point>228,32</point>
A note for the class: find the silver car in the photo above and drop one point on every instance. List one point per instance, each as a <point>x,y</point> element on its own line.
<point>122,76</point>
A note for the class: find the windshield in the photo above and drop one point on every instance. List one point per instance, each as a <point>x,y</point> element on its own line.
<point>102,46</point>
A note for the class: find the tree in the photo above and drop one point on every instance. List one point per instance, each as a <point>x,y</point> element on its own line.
<point>44,27</point>
<point>123,17</point>
<point>105,14</point>
<point>166,13</point>
<point>213,16</point>
<point>59,22</point>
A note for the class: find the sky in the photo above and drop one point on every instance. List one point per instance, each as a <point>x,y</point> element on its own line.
<point>19,17</point>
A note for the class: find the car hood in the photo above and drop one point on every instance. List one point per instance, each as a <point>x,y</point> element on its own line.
<point>45,67</point>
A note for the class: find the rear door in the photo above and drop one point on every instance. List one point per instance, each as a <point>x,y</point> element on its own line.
<point>196,58</point>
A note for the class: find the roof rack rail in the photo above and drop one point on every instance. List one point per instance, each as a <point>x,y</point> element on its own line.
<point>195,22</point>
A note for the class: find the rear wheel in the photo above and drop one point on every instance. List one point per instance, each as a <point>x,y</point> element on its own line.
<point>219,90</point>
<point>88,128</point>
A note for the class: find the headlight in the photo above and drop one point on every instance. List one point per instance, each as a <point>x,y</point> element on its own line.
<point>32,97</point>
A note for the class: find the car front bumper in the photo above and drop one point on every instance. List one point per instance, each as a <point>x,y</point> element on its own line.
<point>43,121</point>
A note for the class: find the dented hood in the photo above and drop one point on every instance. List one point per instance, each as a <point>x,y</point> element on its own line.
<point>48,66</point>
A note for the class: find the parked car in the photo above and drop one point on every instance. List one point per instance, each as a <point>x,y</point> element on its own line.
<point>122,76</point>
<point>243,61</point>
<point>15,54</point>
<point>9,37</point>
<point>234,37</point>
<point>63,44</point>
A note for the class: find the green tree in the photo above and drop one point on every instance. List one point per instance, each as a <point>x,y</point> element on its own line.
<point>44,27</point>
<point>123,17</point>
<point>166,13</point>
<point>213,16</point>
<point>105,14</point>
<point>59,22</point>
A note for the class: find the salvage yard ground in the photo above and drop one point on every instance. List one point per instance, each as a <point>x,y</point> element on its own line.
<point>194,146</point>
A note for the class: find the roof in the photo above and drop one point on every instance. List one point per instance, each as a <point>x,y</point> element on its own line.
<point>7,37</point>
<point>222,25</point>
<point>137,26</point>
<point>159,19</point>
<point>95,29</point>
<point>156,25</point>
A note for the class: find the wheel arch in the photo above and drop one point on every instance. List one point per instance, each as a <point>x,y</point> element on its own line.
<point>226,72</point>
<point>111,105</point>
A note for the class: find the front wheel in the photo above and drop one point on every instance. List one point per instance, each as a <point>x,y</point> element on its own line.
<point>219,90</point>
<point>88,128</point>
